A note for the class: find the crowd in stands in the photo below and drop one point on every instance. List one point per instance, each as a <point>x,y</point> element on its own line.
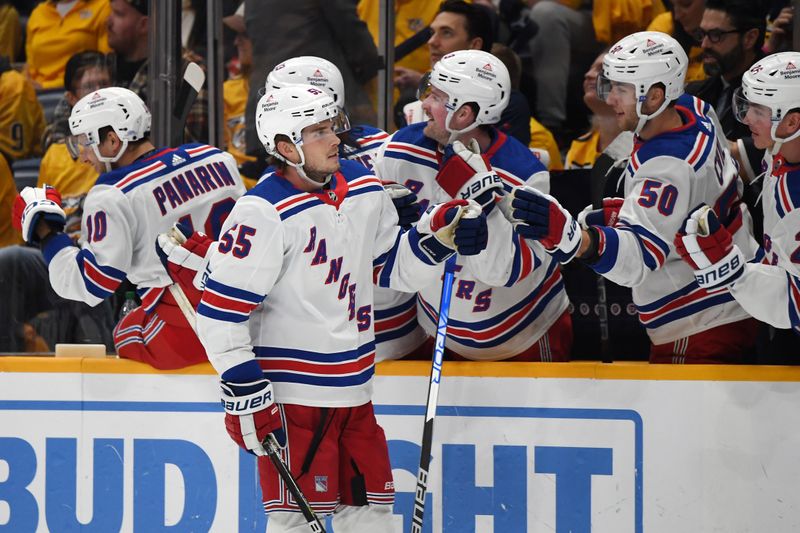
<point>55,52</point>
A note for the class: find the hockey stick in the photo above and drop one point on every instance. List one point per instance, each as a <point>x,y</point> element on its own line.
<point>271,445</point>
<point>433,396</point>
<point>617,150</point>
<point>192,82</point>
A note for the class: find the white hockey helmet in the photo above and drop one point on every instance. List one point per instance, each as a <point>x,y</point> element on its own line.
<point>308,70</point>
<point>120,109</point>
<point>642,60</point>
<point>287,111</point>
<point>771,88</point>
<point>469,76</point>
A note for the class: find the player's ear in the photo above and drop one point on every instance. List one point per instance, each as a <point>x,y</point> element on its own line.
<point>793,120</point>
<point>287,150</point>
<point>655,96</point>
<point>465,116</point>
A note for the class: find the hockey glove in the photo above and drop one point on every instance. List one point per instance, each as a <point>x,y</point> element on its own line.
<point>185,256</point>
<point>466,174</point>
<point>540,217</point>
<point>34,204</point>
<point>608,215</point>
<point>707,247</point>
<point>405,202</point>
<point>457,225</point>
<point>251,414</point>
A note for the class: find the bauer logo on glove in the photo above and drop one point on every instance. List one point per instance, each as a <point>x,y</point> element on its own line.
<point>707,247</point>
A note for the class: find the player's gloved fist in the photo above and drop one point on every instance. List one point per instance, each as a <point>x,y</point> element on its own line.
<point>707,247</point>
<point>34,204</point>
<point>540,217</point>
<point>251,414</point>
<point>405,202</point>
<point>185,256</point>
<point>607,215</point>
<point>457,225</point>
<point>467,174</point>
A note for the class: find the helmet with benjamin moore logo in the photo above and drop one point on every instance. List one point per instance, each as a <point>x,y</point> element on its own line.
<point>115,107</point>
<point>470,76</point>
<point>288,111</point>
<point>308,70</point>
<point>770,89</point>
<point>642,60</point>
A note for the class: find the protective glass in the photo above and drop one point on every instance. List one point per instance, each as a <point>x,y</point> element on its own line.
<point>424,88</point>
<point>625,92</point>
<point>757,113</point>
<point>77,142</point>
<point>333,127</point>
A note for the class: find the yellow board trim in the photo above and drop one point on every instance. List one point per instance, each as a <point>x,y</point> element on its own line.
<point>573,370</point>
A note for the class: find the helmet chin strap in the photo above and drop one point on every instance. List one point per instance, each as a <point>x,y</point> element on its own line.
<point>644,118</point>
<point>778,140</point>
<point>301,172</point>
<point>108,160</point>
<point>455,133</point>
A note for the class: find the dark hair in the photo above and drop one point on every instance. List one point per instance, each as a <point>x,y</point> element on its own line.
<point>478,19</point>
<point>79,63</point>
<point>745,15</point>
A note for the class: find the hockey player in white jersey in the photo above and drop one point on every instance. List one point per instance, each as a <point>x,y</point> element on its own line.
<point>769,103</point>
<point>397,332</point>
<point>286,314</point>
<point>680,159</point>
<point>141,192</point>
<point>508,302</point>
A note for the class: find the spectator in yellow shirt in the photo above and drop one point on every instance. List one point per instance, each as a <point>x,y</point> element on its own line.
<point>56,30</point>
<point>21,115</point>
<point>234,96</point>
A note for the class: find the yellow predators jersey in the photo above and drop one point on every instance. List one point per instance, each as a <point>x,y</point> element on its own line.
<point>8,193</point>
<point>410,17</point>
<point>614,19</point>
<point>73,180</point>
<point>21,117</point>
<point>583,151</point>
<point>52,40</point>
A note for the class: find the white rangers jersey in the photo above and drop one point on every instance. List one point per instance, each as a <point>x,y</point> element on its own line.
<point>770,289</point>
<point>125,211</point>
<point>291,285</point>
<point>397,331</point>
<point>667,177</point>
<point>508,296</point>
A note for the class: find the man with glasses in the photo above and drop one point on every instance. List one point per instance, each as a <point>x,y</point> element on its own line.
<point>768,103</point>
<point>680,160</point>
<point>731,35</point>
